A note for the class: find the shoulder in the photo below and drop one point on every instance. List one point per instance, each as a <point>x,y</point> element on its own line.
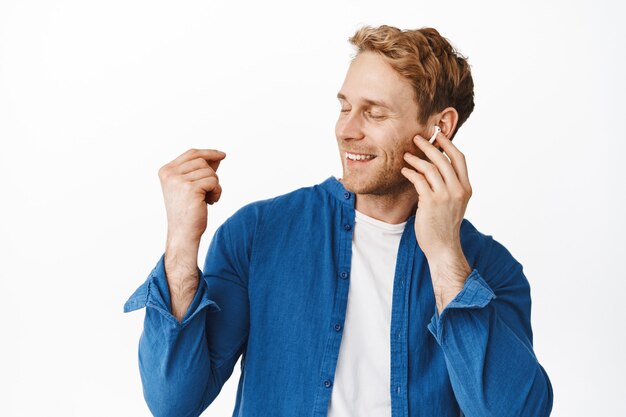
<point>267,207</point>
<point>281,207</point>
<point>251,226</point>
<point>479,244</point>
<point>491,258</point>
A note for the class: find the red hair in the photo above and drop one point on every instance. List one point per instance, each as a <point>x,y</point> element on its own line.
<point>440,75</point>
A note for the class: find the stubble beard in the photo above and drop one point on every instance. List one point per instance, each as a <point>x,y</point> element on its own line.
<point>382,182</point>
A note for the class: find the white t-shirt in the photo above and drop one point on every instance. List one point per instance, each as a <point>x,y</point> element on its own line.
<point>362,378</point>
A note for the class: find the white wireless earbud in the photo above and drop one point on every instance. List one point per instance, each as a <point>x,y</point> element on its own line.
<point>434,136</point>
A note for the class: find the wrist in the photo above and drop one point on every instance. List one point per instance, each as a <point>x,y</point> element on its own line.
<point>449,261</point>
<point>182,247</point>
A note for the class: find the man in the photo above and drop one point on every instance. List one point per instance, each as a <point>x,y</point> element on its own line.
<point>364,296</point>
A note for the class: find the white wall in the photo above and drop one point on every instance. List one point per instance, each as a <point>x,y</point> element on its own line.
<point>96,96</point>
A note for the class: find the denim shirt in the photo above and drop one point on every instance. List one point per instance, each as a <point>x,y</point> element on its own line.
<point>274,290</point>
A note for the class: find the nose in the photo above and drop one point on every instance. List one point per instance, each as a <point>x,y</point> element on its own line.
<point>349,126</point>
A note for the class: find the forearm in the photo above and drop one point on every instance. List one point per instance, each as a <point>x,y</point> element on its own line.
<point>181,269</point>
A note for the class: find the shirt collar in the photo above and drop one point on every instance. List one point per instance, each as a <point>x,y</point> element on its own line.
<point>337,190</point>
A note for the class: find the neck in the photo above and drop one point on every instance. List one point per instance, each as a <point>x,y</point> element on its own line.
<point>393,208</point>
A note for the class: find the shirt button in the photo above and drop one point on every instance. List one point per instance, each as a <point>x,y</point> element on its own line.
<point>328,384</point>
<point>347,227</point>
<point>337,327</point>
<point>343,275</point>
<point>346,195</point>
<point>401,283</point>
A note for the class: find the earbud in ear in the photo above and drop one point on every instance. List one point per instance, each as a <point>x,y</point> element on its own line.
<point>434,136</point>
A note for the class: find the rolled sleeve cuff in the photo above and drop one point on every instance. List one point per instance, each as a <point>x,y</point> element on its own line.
<point>154,293</point>
<point>476,293</point>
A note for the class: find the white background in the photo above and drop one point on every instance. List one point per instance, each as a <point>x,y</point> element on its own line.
<point>96,95</point>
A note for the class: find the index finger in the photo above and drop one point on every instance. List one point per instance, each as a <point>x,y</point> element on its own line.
<point>457,159</point>
<point>212,156</point>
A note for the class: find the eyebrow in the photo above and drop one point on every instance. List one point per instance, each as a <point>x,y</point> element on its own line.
<point>378,103</point>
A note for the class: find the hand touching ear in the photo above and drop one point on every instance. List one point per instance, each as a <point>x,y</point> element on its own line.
<point>443,189</point>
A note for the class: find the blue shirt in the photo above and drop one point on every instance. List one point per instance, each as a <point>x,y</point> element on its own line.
<point>274,290</point>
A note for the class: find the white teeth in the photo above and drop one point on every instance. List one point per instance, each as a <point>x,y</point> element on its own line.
<point>358,157</point>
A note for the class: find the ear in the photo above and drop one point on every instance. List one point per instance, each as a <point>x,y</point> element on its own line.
<point>447,121</point>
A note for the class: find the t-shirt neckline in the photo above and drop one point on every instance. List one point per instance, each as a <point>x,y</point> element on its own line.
<point>379,223</point>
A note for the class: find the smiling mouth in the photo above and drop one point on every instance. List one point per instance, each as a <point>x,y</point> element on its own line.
<point>359,157</point>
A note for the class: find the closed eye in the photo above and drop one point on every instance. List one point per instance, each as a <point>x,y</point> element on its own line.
<point>375,116</point>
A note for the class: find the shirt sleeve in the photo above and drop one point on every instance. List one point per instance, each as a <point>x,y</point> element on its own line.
<point>183,365</point>
<point>154,293</point>
<point>486,338</point>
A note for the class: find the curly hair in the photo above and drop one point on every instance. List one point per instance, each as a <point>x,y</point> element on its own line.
<point>439,74</point>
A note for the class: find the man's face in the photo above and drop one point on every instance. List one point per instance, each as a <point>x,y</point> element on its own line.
<point>376,126</point>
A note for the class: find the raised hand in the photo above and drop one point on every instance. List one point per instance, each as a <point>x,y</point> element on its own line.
<point>189,183</point>
<point>443,189</point>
